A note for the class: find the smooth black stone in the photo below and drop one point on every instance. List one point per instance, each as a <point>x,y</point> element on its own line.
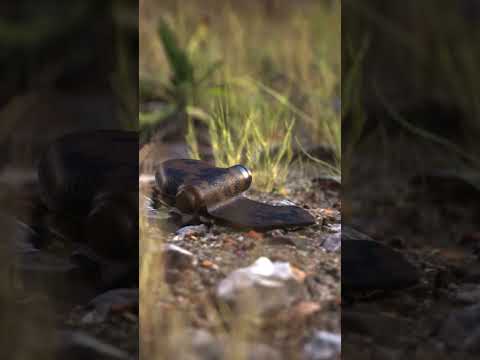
<point>369,265</point>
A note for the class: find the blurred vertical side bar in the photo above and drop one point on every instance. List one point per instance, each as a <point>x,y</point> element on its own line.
<point>68,179</point>
<point>411,179</point>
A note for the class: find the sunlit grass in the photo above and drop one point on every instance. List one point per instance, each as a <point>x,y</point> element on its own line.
<point>263,82</point>
<point>278,70</point>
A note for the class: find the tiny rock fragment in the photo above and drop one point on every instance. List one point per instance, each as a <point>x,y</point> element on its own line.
<point>330,214</point>
<point>284,202</point>
<point>334,228</point>
<point>332,242</point>
<point>209,265</point>
<point>323,345</point>
<point>254,235</point>
<point>188,231</point>
<point>177,257</point>
<point>305,309</point>
<point>298,274</point>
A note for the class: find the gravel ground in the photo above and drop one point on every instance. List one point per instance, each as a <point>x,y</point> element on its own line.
<point>216,251</point>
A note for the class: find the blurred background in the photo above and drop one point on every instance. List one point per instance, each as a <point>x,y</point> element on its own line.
<point>259,79</point>
<point>411,174</point>
<point>66,67</point>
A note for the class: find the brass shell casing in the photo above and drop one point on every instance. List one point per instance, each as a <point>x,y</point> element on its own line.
<point>201,195</point>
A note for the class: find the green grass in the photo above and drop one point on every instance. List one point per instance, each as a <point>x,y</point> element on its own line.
<point>261,84</point>
<point>251,78</point>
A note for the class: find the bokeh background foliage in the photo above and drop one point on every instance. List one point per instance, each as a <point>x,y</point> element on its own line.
<point>264,76</point>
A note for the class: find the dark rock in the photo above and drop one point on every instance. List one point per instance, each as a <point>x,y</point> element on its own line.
<point>349,233</point>
<point>103,304</point>
<point>369,265</point>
